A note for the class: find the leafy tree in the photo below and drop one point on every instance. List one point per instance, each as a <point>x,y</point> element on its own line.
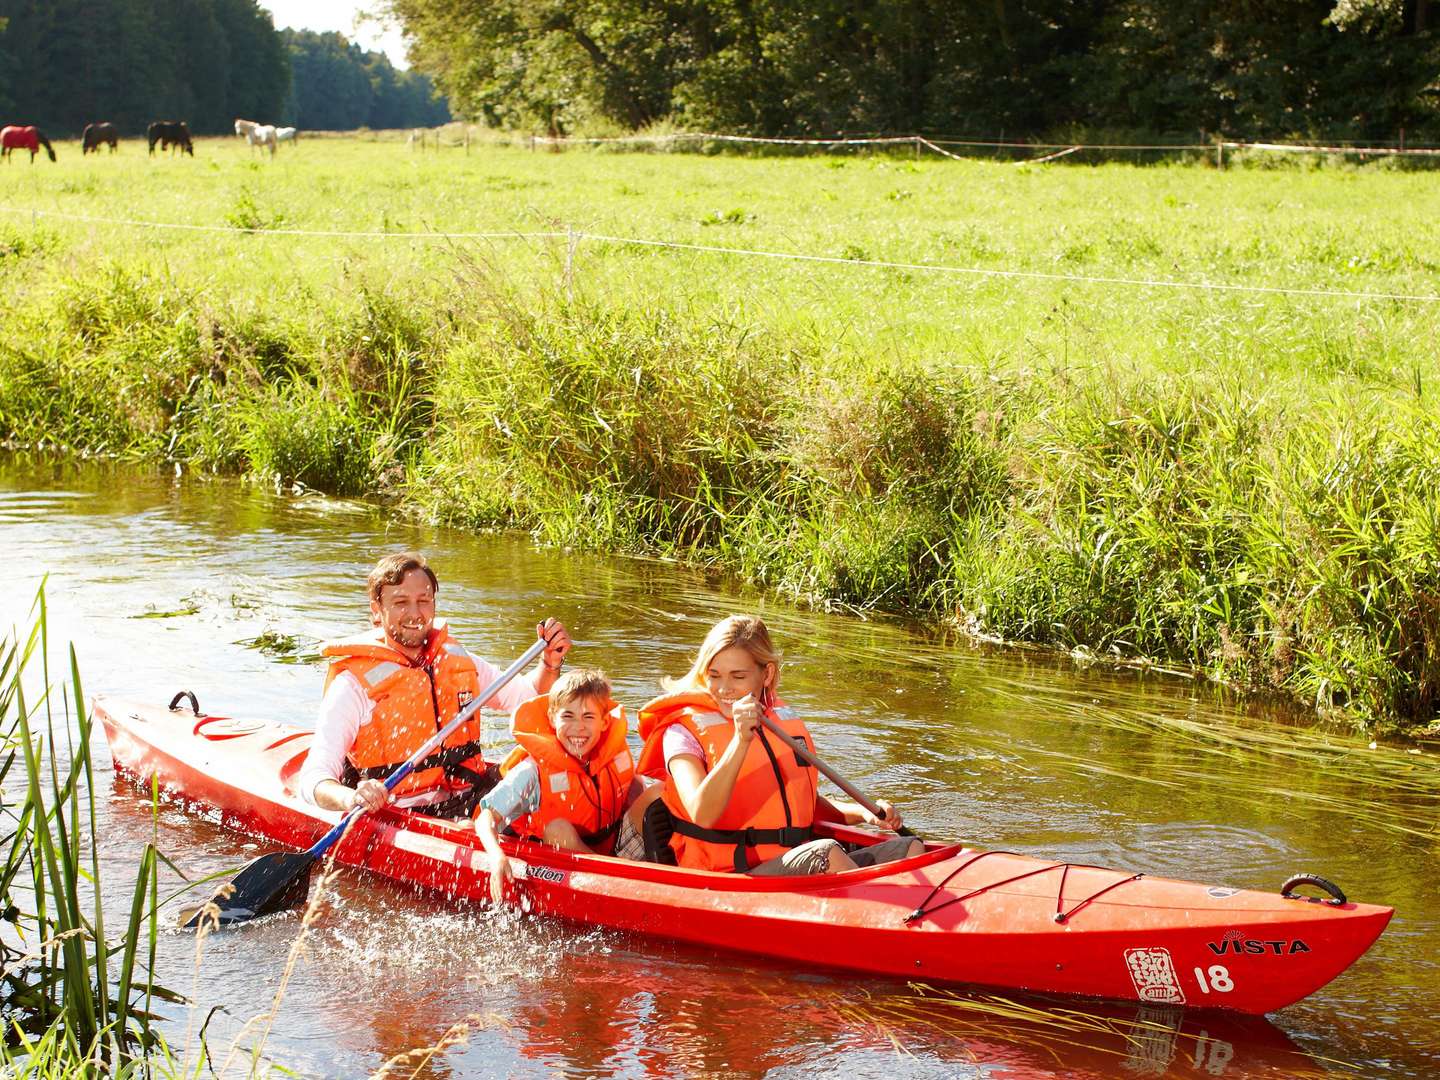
<point>70,62</point>
<point>338,86</point>
<point>1017,66</point>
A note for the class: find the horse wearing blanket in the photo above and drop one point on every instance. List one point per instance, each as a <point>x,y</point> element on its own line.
<point>30,138</point>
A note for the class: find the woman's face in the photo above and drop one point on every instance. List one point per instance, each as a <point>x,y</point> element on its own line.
<point>733,674</point>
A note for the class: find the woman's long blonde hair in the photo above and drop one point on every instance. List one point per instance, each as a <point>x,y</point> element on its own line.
<point>748,632</point>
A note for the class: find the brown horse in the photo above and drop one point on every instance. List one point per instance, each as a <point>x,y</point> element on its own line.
<point>97,134</point>
<point>170,134</point>
<point>24,138</point>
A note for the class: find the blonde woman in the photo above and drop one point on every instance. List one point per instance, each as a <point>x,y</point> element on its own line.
<point>739,798</point>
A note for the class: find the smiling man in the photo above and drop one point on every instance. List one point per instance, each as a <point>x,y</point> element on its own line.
<point>390,689</point>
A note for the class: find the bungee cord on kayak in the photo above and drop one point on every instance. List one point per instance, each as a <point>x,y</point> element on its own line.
<point>1061,916</point>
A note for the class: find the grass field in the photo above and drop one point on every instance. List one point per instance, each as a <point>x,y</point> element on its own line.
<point>1238,480</point>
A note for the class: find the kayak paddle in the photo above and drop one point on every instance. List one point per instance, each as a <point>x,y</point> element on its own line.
<point>281,879</point>
<point>804,753</point>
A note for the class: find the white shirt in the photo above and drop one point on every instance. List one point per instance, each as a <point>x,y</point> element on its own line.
<point>346,708</point>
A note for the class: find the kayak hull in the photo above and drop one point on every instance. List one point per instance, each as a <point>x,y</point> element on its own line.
<point>953,914</point>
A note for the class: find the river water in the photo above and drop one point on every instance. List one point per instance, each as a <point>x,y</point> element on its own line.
<point>165,582</point>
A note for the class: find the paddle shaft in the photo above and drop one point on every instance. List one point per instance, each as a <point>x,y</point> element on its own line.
<point>323,844</point>
<point>804,754</point>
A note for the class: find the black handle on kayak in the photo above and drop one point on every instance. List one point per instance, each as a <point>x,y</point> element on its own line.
<point>1337,894</point>
<point>194,705</point>
<point>814,760</point>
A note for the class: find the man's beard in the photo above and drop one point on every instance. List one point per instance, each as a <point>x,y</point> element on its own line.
<point>410,638</point>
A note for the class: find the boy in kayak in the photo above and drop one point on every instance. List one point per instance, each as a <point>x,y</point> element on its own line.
<point>739,799</point>
<point>570,783</point>
<point>391,688</point>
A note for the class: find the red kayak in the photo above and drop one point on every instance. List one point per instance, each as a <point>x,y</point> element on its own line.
<point>953,913</point>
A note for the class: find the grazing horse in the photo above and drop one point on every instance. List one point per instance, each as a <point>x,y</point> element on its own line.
<point>287,134</point>
<point>170,134</point>
<point>97,134</point>
<point>24,138</point>
<point>262,135</point>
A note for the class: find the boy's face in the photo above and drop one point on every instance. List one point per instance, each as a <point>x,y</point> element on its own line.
<point>578,722</point>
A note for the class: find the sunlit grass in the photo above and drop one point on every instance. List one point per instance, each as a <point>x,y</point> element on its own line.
<point>1230,483</point>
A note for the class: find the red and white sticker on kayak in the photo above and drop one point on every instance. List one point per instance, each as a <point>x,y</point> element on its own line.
<point>1153,973</point>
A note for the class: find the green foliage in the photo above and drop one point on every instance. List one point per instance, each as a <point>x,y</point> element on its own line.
<point>134,61</point>
<point>76,1002</point>
<point>1240,483</point>
<point>338,86</point>
<point>772,67</point>
<point>247,215</point>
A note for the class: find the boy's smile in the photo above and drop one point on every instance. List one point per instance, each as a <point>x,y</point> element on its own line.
<point>578,724</point>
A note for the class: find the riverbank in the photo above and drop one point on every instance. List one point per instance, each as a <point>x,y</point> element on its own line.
<point>1239,481</point>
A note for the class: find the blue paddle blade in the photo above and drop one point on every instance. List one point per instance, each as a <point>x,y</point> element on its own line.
<point>271,883</point>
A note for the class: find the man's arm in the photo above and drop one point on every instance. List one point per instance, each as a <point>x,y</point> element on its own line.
<point>342,710</point>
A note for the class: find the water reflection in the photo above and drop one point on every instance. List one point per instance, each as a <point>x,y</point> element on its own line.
<point>1016,749</point>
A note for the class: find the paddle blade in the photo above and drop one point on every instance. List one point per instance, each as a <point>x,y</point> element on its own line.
<point>271,883</point>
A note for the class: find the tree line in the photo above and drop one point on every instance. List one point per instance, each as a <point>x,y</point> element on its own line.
<point>65,63</point>
<point>336,86</point>
<point>1337,68</point>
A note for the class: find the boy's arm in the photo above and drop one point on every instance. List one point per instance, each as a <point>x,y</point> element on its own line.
<point>487,828</point>
<point>516,795</point>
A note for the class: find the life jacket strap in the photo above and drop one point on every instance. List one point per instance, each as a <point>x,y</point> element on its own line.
<point>789,837</point>
<point>448,758</point>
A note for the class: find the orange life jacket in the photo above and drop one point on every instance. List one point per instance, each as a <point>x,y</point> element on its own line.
<point>413,700</point>
<point>772,806</point>
<point>589,794</point>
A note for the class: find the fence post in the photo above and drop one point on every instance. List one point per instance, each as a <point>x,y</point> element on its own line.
<point>572,238</point>
<point>1219,152</point>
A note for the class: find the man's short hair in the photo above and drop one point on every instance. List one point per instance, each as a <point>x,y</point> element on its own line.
<point>391,570</point>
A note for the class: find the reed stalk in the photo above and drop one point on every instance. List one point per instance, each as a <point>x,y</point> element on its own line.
<point>77,1003</point>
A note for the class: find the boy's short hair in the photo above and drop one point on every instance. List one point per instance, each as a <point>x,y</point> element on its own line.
<point>391,570</point>
<point>581,683</point>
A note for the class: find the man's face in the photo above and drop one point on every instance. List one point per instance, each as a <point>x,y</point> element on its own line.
<point>406,611</point>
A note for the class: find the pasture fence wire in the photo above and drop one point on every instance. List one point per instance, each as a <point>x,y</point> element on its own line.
<point>574,237</point>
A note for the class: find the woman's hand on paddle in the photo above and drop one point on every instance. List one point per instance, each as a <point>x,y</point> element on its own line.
<point>746,715</point>
<point>500,873</point>
<point>370,795</point>
<point>890,820</point>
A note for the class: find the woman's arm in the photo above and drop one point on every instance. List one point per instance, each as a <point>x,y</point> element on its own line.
<point>705,795</point>
<point>855,814</point>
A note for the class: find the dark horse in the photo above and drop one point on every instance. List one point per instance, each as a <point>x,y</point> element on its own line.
<point>170,134</point>
<point>24,138</point>
<point>97,134</point>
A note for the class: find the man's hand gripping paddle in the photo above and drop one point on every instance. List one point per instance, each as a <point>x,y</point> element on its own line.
<point>281,879</point>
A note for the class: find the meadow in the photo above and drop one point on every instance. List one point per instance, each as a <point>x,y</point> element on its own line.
<point>1062,439</point>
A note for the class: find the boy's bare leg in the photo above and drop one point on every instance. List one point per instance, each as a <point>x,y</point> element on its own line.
<point>561,834</point>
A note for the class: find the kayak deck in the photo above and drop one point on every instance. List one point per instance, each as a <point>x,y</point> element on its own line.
<point>951,914</point>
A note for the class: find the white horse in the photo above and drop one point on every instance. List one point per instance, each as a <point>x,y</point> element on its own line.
<point>257,134</point>
<point>287,134</point>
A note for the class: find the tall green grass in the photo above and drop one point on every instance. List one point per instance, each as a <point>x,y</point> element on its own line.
<point>76,1002</point>
<point>1241,484</point>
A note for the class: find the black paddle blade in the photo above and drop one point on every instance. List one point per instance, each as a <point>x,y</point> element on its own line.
<point>271,883</point>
